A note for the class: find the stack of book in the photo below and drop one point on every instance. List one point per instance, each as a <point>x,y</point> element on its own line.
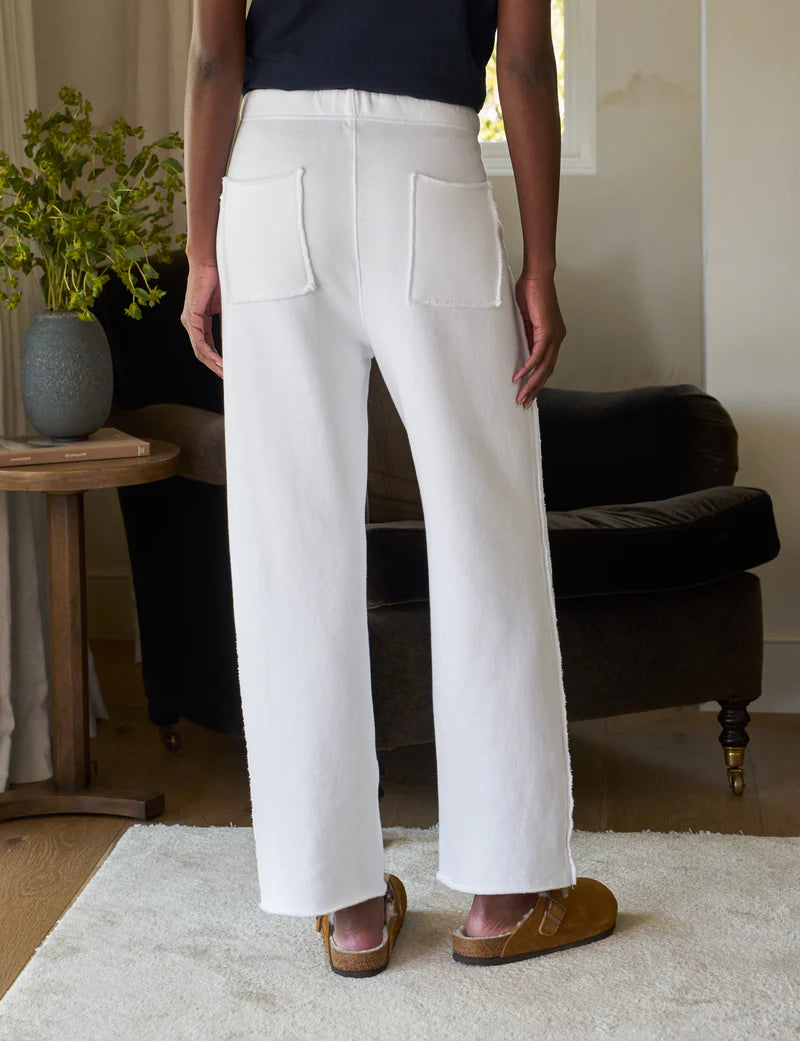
<point>105,443</point>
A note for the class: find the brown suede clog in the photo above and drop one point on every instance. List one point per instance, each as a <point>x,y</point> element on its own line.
<point>587,912</point>
<point>372,961</point>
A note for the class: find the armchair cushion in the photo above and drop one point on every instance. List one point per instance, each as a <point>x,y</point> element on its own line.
<point>664,544</point>
<point>397,563</point>
<point>673,543</point>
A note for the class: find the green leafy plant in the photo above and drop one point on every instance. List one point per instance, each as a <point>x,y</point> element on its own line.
<point>78,235</point>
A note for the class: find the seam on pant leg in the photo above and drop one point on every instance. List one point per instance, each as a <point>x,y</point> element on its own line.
<point>354,117</point>
<point>535,438</point>
<point>498,233</point>
<point>311,282</point>
<point>219,245</point>
<point>411,237</point>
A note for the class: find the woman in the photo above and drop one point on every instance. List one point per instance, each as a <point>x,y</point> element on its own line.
<point>347,217</point>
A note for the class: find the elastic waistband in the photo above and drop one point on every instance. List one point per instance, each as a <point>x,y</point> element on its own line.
<point>351,102</point>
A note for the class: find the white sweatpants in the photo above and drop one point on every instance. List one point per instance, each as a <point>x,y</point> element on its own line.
<point>356,224</point>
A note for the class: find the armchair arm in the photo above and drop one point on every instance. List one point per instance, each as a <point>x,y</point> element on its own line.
<point>199,434</point>
<point>634,445</point>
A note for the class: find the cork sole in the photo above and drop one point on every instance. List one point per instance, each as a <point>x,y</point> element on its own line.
<point>498,960</point>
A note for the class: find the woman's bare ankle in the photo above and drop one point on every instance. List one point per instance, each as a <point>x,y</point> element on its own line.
<point>360,926</point>
<point>496,914</point>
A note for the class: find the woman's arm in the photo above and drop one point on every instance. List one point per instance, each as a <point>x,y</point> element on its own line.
<point>527,84</point>
<point>213,93</point>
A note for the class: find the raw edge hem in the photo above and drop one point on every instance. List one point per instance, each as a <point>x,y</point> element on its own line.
<point>500,892</point>
<point>356,899</point>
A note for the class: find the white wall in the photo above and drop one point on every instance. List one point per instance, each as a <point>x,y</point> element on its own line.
<point>753,285</point>
<point>629,248</point>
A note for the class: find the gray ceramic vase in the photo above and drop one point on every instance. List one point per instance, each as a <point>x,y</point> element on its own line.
<point>66,375</point>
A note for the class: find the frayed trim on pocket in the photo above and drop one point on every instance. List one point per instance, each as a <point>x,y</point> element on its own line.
<point>430,279</point>
<point>264,257</point>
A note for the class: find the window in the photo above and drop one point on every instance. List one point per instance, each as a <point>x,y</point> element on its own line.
<point>573,28</point>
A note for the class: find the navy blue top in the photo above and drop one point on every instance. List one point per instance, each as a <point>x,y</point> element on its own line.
<point>435,49</point>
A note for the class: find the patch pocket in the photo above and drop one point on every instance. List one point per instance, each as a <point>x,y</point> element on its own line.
<point>264,245</point>
<point>456,252</point>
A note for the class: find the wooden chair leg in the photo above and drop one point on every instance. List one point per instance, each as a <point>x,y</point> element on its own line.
<point>733,718</point>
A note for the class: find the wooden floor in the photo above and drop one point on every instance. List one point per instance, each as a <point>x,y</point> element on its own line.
<point>661,771</point>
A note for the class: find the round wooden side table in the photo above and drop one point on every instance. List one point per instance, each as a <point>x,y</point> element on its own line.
<point>69,790</point>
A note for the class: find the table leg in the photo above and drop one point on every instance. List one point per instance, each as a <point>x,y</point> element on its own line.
<point>68,657</point>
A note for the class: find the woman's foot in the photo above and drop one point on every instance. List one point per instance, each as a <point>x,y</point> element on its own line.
<point>497,914</point>
<point>524,925</point>
<point>360,926</point>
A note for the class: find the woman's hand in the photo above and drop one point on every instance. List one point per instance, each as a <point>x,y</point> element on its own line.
<point>545,329</point>
<point>202,301</point>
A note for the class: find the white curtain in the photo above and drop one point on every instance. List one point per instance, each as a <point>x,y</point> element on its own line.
<point>25,753</point>
<point>147,85</point>
<point>158,36</point>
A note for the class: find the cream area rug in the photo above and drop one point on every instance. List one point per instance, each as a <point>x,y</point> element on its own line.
<point>166,943</point>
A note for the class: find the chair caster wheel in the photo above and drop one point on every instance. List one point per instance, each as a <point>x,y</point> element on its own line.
<point>736,780</point>
<point>734,761</point>
<point>171,738</point>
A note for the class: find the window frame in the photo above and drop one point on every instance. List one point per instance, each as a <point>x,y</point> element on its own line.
<point>578,144</point>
